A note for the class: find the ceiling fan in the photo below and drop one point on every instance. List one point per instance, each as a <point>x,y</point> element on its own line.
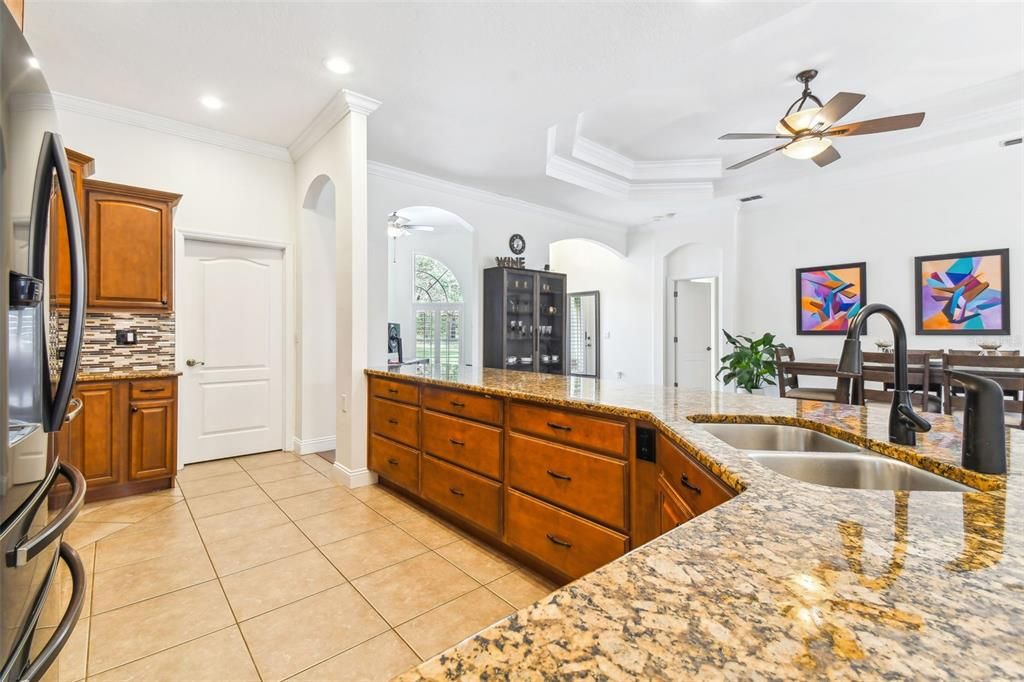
<point>809,132</point>
<point>399,226</point>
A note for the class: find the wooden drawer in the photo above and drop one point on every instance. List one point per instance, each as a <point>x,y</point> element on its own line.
<point>698,487</point>
<point>395,390</point>
<point>593,433</point>
<point>398,464</point>
<point>565,541</point>
<point>153,389</point>
<point>469,405</point>
<point>472,497</point>
<point>468,444</point>
<point>591,485</point>
<point>396,421</point>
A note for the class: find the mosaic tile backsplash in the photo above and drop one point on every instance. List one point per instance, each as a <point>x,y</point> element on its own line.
<point>154,350</point>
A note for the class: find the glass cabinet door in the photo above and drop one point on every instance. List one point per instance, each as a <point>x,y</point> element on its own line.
<point>520,290</point>
<point>550,324</point>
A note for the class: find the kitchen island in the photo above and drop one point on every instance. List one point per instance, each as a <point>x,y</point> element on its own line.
<point>784,580</point>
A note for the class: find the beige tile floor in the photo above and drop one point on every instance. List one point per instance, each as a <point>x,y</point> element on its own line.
<point>266,568</point>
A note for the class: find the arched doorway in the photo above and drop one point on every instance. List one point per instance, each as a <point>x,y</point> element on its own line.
<point>692,279</point>
<point>433,287</point>
<point>315,424</point>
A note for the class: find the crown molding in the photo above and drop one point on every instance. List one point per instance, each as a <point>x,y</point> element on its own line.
<point>429,182</point>
<point>337,108</point>
<point>168,126</point>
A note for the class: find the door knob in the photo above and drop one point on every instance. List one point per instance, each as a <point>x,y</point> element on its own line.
<point>192,363</point>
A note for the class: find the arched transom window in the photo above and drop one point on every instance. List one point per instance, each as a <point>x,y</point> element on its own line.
<point>438,308</point>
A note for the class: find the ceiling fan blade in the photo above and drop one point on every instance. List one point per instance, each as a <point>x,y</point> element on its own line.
<point>419,228</point>
<point>754,136</point>
<point>760,156</point>
<point>836,108</point>
<point>878,125</point>
<point>826,157</point>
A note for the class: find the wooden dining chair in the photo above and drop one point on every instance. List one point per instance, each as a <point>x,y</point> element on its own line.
<point>880,368</point>
<point>1005,370</point>
<point>789,381</point>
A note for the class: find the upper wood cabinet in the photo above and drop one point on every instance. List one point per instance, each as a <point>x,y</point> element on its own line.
<point>60,258</point>
<point>129,240</point>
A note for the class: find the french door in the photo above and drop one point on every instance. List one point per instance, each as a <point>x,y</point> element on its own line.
<point>439,332</point>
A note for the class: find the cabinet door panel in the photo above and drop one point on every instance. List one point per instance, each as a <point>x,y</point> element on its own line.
<point>152,440</point>
<point>81,167</point>
<point>96,437</point>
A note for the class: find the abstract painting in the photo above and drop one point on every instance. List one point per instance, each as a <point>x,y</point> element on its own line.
<point>827,297</point>
<point>963,293</point>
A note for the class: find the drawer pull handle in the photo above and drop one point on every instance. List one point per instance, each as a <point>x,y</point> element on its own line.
<point>392,420</point>
<point>150,390</point>
<point>559,541</point>
<point>457,492</point>
<point>685,480</point>
<point>392,461</point>
<point>559,427</point>
<point>456,442</point>
<point>560,477</point>
<point>392,390</point>
<point>456,403</point>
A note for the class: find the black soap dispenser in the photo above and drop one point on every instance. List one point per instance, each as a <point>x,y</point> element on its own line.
<point>984,434</point>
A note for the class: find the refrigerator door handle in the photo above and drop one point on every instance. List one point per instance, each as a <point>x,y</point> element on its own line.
<point>38,667</point>
<point>27,549</point>
<point>52,159</point>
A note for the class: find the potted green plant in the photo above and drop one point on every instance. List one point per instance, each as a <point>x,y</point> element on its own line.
<point>751,364</point>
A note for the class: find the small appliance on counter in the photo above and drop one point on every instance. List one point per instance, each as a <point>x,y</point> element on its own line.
<point>39,366</point>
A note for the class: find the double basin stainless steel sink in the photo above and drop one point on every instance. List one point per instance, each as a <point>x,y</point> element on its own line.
<point>814,457</point>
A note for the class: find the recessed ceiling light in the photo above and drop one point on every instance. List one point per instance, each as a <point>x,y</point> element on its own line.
<point>211,102</point>
<point>33,62</point>
<point>337,65</point>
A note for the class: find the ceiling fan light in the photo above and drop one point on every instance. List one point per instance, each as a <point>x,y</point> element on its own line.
<point>798,120</point>
<point>807,147</point>
<point>395,232</point>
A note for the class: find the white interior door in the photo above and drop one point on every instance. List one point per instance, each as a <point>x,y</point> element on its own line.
<point>231,327</point>
<point>694,333</point>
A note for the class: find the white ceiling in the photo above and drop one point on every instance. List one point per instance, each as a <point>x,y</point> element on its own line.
<point>469,90</point>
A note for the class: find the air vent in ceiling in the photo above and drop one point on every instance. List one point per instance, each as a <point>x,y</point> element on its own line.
<point>752,197</point>
<point>1011,142</point>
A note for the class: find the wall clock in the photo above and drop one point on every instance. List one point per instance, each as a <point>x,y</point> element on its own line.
<point>517,244</point>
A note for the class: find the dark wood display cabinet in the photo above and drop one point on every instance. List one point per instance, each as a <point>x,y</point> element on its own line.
<point>525,320</point>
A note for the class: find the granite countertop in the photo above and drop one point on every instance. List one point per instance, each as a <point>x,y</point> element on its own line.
<point>786,580</point>
<point>86,376</point>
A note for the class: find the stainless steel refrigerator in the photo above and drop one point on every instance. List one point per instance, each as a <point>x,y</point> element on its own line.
<point>40,346</point>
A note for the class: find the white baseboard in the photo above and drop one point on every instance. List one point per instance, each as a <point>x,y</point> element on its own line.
<point>311,445</point>
<point>356,478</point>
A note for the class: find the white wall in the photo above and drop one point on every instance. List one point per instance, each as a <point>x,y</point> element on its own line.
<point>494,219</point>
<point>223,190</point>
<point>967,204</point>
<point>317,359</point>
<point>625,311</point>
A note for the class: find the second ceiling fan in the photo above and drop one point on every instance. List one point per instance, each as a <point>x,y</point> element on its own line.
<point>809,131</point>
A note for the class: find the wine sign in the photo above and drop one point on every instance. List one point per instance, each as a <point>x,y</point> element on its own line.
<point>510,262</point>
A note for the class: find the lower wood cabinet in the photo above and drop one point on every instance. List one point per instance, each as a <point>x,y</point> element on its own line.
<point>557,487</point>
<point>565,541</point>
<point>124,440</point>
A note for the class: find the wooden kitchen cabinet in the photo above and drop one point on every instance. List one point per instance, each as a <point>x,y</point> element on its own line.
<point>152,439</point>
<point>124,440</point>
<point>93,444</point>
<point>560,488</point>
<point>82,167</point>
<point>129,242</point>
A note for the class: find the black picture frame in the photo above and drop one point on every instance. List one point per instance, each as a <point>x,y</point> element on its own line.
<point>395,339</point>
<point>860,265</point>
<point>1004,258</point>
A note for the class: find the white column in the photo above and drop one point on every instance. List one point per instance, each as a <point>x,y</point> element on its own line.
<point>354,295</point>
